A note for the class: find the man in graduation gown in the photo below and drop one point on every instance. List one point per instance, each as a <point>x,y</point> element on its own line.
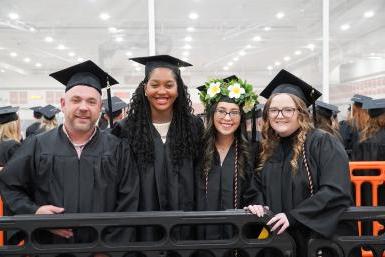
<point>74,168</point>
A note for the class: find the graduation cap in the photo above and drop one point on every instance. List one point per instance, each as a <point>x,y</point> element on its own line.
<point>36,112</point>
<point>88,74</point>
<point>8,114</point>
<point>156,61</point>
<point>375,107</point>
<point>285,82</point>
<point>360,99</point>
<point>49,111</point>
<point>117,105</point>
<point>325,109</point>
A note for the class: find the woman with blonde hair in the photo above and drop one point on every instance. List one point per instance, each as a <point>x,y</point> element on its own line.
<point>48,121</point>
<point>303,175</point>
<point>10,134</point>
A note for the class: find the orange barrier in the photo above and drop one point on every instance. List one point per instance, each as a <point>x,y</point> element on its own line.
<point>375,181</point>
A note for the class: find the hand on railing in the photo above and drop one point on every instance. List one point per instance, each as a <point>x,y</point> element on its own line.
<point>51,209</point>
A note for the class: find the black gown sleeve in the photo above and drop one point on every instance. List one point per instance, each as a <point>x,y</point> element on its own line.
<point>329,167</point>
<point>8,148</point>
<point>16,177</point>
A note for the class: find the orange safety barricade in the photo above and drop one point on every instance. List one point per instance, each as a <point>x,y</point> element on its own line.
<point>375,180</point>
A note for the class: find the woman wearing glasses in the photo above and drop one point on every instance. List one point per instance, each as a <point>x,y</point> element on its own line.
<point>303,175</point>
<point>226,168</point>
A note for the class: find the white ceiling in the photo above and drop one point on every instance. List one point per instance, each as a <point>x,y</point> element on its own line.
<point>223,29</point>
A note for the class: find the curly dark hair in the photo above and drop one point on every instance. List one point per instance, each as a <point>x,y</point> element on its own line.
<point>184,131</point>
<point>209,137</point>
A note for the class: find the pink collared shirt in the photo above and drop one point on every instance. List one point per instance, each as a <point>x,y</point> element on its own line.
<point>79,147</point>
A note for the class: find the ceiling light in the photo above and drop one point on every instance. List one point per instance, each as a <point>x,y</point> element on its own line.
<point>280,15</point>
<point>13,16</point>
<point>269,67</point>
<point>128,53</point>
<point>298,52</point>
<point>2,71</point>
<point>225,68</point>
<point>286,58</point>
<point>187,46</point>
<point>32,29</point>
<point>375,57</point>
<point>193,16</point>
<point>190,29</point>
<point>13,54</point>
<point>48,39</point>
<point>38,65</point>
<point>372,54</point>
<point>257,38</point>
<point>230,63</point>
<point>112,29</point>
<point>186,53</point>
<point>345,27</point>
<point>235,59</point>
<point>248,46</point>
<point>188,39</point>
<point>61,47</point>
<point>119,39</point>
<point>368,14</point>
<point>27,60</point>
<point>267,28</point>
<point>311,47</point>
<point>71,54</point>
<point>104,16</point>
<point>80,59</point>
<point>277,63</point>
<point>242,53</point>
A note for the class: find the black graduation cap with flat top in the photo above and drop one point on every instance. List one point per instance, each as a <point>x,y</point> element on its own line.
<point>49,111</point>
<point>117,105</point>
<point>156,61</point>
<point>375,107</point>
<point>325,109</point>
<point>360,99</point>
<point>8,114</point>
<point>87,74</point>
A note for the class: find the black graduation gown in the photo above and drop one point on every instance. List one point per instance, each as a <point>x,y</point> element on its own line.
<point>47,171</point>
<point>32,128</point>
<point>7,149</point>
<point>220,193</point>
<point>284,192</point>
<point>161,187</point>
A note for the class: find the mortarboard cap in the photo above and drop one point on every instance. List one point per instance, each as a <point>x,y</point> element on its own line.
<point>86,73</point>
<point>375,107</point>
<point>35,108</point>
<point>8,114</point>
<point>155,61</point>
<point>360,99</point>
<point>49,111</point>
<point>117,104</point>
<point>325,109</point>
<point>285,82</point>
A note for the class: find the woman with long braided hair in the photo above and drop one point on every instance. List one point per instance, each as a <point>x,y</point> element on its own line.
<point>226,166</point>
<point>165,137</point>
<point>303,174</point>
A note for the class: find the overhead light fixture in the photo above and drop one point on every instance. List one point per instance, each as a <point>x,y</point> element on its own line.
<point>104,16</point>
<point>248,46</point>
<point>368,14</point>
<point>193,16</point>
<point>267,28</point>
<point>298,52</point>
<point>277,63</point>
<point>375,57</point>
<point>311,47</point>
<point>242,53</point>
<point>112,30</point>
<point>185,53</point>
<point>13,54</point>
<point>190,29</point>
<point>128,53</point>
<point>269,67</point>
<point>27,60</point>
<point>80,59</point>
<point>345,27</point>
<point>230,63</point>
<point>119,39</point>
<point>225,68</point>
<point>187,46</point>
<point>280,15</point>
<point>286,58</point>
<point>71,54</point>
<point>32,29</point>
<point>257,38</point>
<point>13,16</point>
<point>2,71</point>
<point>188,39</point>
<point>61,47</point>
<point>235,59</point>
<point>38,65</point>
<point>48,39</point>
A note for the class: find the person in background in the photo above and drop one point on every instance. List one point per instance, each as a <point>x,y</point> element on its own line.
<point>118,107</point>
<point>325,118</point>
<point>48,120</point>
<point>10,134</point>
<point>36,125</point>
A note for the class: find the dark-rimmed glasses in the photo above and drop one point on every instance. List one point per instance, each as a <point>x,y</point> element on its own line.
<point>287,112</point>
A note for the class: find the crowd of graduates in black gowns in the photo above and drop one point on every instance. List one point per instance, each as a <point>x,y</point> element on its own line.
<point>159,156</point>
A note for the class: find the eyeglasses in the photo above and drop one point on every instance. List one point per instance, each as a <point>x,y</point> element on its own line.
<point>222,113</point>
<point>287,112</point>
